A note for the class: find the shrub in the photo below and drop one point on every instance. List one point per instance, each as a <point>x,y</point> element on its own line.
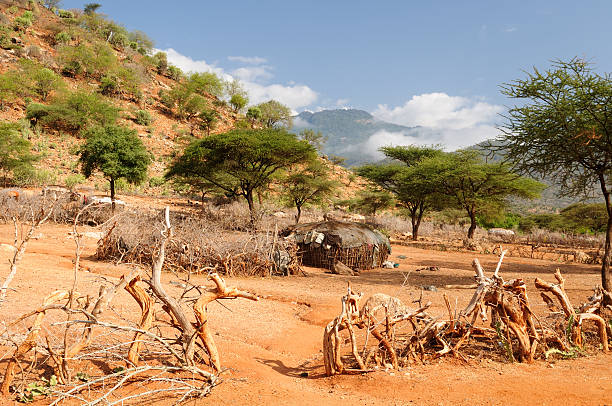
<point>155,181</point>
<point>73,112</point>
<point>5,37</point>
<point>74,180</point>
<point>94,61</point>
<point>134,45</point>
<point>30,176</point>
<point>206,82</point>
<point>15,152</point>
<point>238,102</point>
<point>72,69</point>
<point>65,14</point>
<point>160,60</point>
<point>174,73</point>
<point>22,23</point>
<point>108,85</point>
<point>43,81</point>
<point>63,37</point>
<point>119,40</point>
<point>142,117</point>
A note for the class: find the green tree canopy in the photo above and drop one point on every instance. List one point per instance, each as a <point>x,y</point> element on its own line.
<point>314,138</point>
<point>275,114</point>
<point>239,102</point>
<point>476,186</point>
<point>562,129</point>
<point>208,119</point>
<point>117,152</point>
<point>307,185</point>
<point>240,162</point>
<point>73,112</point>
<point>15,151</point>
<point>412,184</point>
<point>253,114</point>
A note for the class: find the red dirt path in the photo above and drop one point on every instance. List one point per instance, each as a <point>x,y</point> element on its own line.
<point>267,345</point>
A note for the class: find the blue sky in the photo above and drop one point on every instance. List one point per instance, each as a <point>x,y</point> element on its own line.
<point>429,63</point>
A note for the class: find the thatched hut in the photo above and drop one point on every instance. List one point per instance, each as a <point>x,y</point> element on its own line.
<point>325,243</point>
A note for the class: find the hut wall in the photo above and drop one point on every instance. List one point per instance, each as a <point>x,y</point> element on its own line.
<point>357,258</point>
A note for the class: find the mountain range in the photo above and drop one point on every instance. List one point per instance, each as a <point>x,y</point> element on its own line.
<point>351,134</point>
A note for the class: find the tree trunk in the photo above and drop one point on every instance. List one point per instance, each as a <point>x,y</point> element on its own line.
<point>112,196</point>
<point>472,228</point>
<point>416,215</point>
<point>606,283</point>
<point>299,213</point>
<point>249,198</point>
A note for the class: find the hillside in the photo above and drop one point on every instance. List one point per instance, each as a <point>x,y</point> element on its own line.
<point>348,131</point>
<point>92,57</point>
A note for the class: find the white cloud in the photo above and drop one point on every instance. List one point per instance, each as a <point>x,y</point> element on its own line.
<point>452,121</point>
<point>250,60</point>
<point>439,110</point>
<point>510,29</point>
<point>293,95</point>
<point>449,139</point>
<point>252,73</point>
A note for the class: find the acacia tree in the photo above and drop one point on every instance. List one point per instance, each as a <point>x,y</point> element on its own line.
<point>275,114</point>
<point>241,161</point>
<point>117,152</point>
<point>562,130</point>
<point>253,115</point>
<point>314,138</point>
<point>208,119</point>
<point>476,186</point>
<point>309,185</point>
<point>412,185</point>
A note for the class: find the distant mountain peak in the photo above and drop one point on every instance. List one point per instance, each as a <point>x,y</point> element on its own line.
<point>348,131</point>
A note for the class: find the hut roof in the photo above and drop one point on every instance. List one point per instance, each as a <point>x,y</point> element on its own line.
<point>337,233</point>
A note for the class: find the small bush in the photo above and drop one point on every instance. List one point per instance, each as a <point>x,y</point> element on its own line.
<point>63,37</point>
<point>142,117</point>
<point>5,37</point>
<point>73,112</point>
<point>155,181</point>
<point>74,180</point>
<point>108,85</point>
<point>174,73</point>
<point>65,14</point>
<point>118,40</point>
<point>72,69</point>
<point>29,176</point>
<point>22,23</point>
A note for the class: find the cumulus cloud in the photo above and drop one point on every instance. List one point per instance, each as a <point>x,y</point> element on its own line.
<point>294,96</point>
<point>250,60</point>
<point>439,110</point>
<point>452,121</point>
<point>252,73</point>
<point>254,79</point>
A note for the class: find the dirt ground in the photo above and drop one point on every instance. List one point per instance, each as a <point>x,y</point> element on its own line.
<point>272,348</point>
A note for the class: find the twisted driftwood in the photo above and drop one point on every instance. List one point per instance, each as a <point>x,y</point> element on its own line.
<point>558,290</point>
